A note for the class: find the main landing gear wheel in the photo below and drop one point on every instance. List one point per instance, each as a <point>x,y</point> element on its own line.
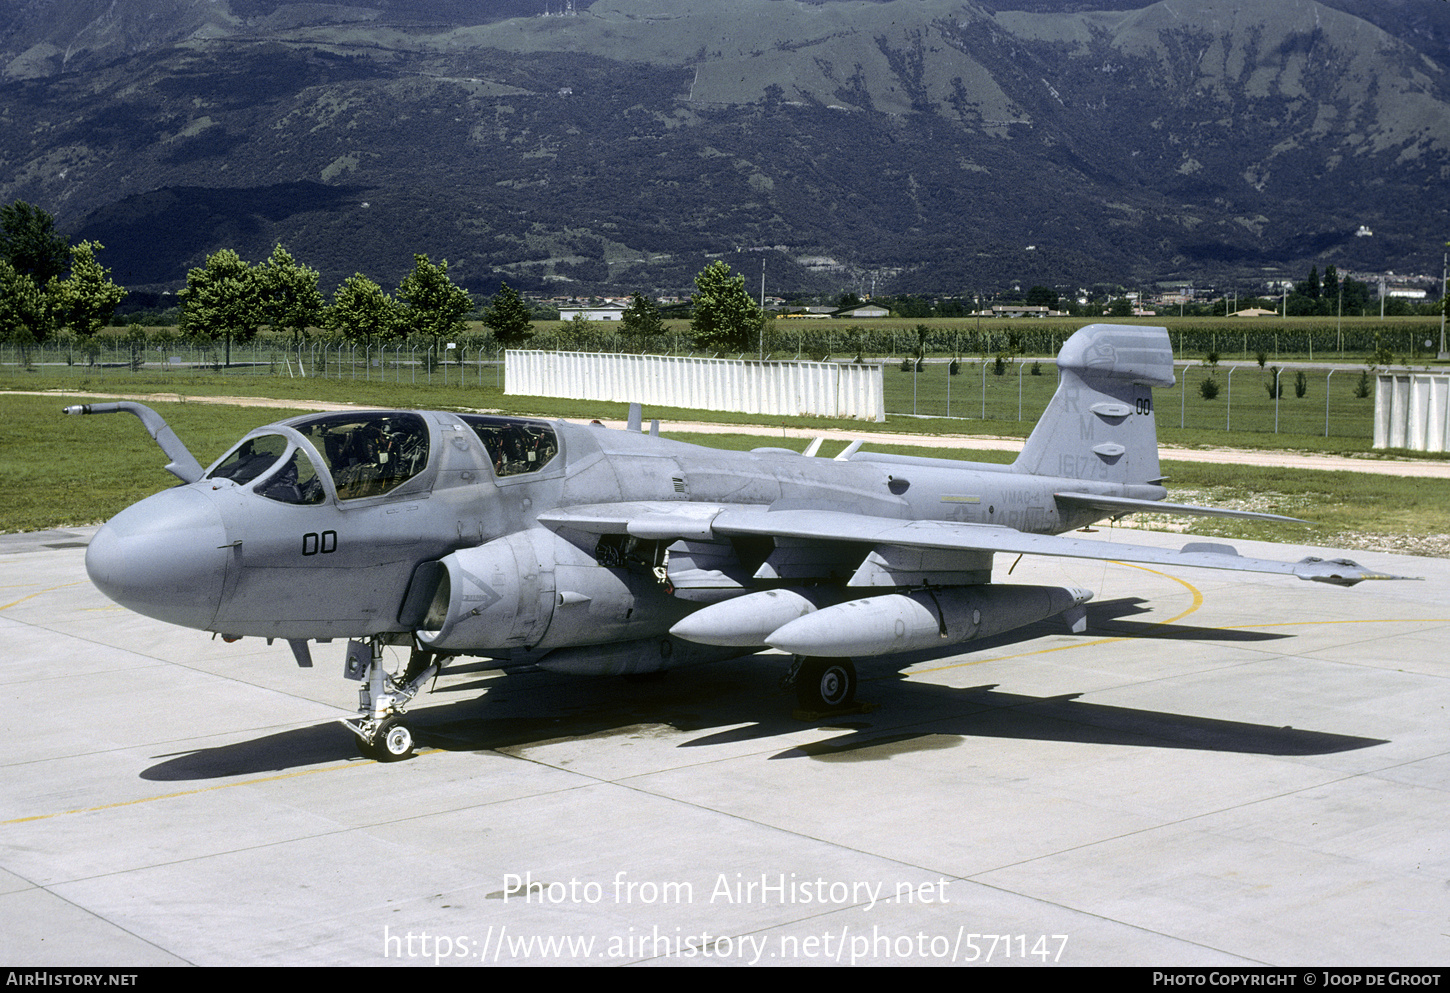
<point>825,684</point>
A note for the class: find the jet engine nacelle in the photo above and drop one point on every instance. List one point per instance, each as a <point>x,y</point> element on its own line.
<point>497,596</point>
<point>535,591</point>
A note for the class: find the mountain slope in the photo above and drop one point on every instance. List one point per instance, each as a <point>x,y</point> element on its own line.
<point>935,145</point>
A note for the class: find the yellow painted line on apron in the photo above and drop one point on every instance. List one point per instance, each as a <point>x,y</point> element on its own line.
<point>203,789</point>
<point>30,596</point>
<point>1197,603</point>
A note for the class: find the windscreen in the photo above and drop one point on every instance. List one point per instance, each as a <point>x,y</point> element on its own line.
<point>250,459</point>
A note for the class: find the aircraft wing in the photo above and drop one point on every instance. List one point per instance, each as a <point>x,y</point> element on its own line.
<point>663,520</point>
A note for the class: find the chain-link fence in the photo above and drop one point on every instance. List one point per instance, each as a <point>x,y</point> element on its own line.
<point>1292,399</point>
<point>112,360</point>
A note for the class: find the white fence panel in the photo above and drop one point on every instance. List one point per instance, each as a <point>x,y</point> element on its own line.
<point>746,386</point>
<point>1412,410</point>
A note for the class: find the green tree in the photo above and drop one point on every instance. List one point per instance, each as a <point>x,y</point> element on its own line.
<point>24,314</point>
<point>86,299</point>
<point>1042,296</point>
<point>432,303</point>
<point>642,321</point>
<point>222,299</point>
<point>1310,287</point>
<point>508,317</point>
<point>291,300</point>
<point>29,243</point>
<point>724,316</point>
<point>361,311</point>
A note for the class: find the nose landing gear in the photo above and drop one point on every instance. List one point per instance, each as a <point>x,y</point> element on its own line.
<point>381,733</point>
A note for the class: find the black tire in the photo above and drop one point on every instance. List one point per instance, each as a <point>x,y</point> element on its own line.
<point>393,742</point>
<point>825,684</point>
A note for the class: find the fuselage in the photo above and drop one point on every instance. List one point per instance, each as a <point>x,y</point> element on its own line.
<point>316,527</point>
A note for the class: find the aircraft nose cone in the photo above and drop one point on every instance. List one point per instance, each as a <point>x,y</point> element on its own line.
<point>163,558</point>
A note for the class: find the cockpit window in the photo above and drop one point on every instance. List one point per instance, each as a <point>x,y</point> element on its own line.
<point>296,482</point>
<point>250,459</point>
<point>370,453</point>
<point>514,446</point>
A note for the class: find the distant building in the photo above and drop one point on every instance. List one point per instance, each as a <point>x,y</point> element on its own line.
<point>863,310</point>
<point>600,312</point>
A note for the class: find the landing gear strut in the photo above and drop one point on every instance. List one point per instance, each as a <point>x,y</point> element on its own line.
<point>822,684</point>
<point>381,733</point>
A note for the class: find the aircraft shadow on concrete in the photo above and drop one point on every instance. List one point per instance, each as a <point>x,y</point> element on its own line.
<point>743,698</point>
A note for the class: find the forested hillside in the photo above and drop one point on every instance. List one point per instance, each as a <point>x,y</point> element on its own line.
<point>924,145</point>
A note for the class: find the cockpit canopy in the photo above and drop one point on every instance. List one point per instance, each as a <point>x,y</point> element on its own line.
<point>370,453</point>
<point>366,454</point>
<point>515,446</point>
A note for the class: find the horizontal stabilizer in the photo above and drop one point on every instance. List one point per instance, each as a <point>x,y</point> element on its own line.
<point>1121,506</point>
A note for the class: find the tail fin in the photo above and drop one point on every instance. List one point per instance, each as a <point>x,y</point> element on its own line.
<point>1099,425</point>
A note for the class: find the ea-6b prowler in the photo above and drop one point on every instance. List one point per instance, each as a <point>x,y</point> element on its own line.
<point>584,550</point>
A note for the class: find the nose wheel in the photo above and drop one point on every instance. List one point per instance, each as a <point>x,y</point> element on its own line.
<point>391,741</point>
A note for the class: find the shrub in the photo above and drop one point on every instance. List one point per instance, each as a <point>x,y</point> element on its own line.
<point>1208,389</point>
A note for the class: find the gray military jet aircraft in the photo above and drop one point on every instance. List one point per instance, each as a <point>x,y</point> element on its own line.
<point>591,551</point>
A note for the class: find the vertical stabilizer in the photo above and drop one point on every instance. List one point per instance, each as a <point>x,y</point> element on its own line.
<point>1099,425</point>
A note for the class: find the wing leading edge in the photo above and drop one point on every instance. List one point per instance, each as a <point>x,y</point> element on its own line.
<point>835,526</point>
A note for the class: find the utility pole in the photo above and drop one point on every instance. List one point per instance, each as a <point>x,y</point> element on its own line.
<point>1444,284</point>
<point>762,308</point>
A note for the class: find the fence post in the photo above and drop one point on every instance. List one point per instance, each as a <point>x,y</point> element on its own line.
<point>1277,374</point>
<point>1326,402</point>
<point>1020,364</point>
<point>1183,396</point>
<point>1228,424</point>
